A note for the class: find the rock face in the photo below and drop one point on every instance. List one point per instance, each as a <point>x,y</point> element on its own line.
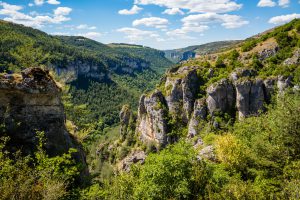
<point>242,93</point>
<point>125,116</point>
<point>294,60</point>
<point>221,97</point>
<point>29,103</point>
<point>200,114</point>
<point>181,93</point>
<point>152,118</point>
<point>84,69</point>
<point>133,158</point>
<point>267,53</point>
<point>250,97</point>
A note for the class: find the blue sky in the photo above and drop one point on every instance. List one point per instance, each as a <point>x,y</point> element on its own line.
<point>162,24</point>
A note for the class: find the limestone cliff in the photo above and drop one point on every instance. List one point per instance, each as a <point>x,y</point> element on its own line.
<point>31,102</point>
<point>242,94</point>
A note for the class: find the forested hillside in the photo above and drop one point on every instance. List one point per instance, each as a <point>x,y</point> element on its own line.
<point>222,125</point>
<point>103,77</point>
<point>177,55</point>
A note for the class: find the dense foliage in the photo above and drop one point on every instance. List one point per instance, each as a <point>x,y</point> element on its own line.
<point>257,159</point>
<point>36,176</point>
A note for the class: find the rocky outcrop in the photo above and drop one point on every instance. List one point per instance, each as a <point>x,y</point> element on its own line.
<point>250,97</point>
<point>98,71</point>
<point>200,114</point>
<point>182,91</point>
<point>270,88</point>
<point>152,118</point>
<point>283,83</point>
<point>221,97</point>
<point>267,53</point>
<point>134,158</point>
<point>242,92</point>
<point>79,69</point>
<point>294,60</point>
<point>31,102</point>
<point>125,116</point>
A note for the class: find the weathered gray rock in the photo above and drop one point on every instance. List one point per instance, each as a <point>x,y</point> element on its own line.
<point>207,153</point>
<point>294,60</point>
<point>257,97</point>
<point>174,96</point>
<point>267,53</point>
<point>243,98</point>
<point>284,83</point>
<point>29,103</point>
<point>270,88</point>
<point>134,158</point>
<point>152,119</point>
<point>250,97</point>
<point>199,114</point>
<point>125,116</point>
<point>221,97</point>
<point>241,72</point>
<point>181,93</point>
<point>190,88</point>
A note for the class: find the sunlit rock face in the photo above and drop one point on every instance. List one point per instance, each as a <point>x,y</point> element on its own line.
<point>31,102</point>
<point>241,95</point>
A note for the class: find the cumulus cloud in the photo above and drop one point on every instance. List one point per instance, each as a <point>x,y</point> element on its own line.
<point>41,2</point>
<point>266,3</point>
<point>62,11</point>
<point>90,35</point>
<point>284,3</point>
<point>13,14</point>
<point>283,18</point>
<point>173,11</point>
<point>183,32</point>
<point>200,22</point>
<point>135,34</point>
<point>53,2</point>
<point>85,27</point>
<point>134,10</point>
<point>227,21</point>
<point>216,6</point>
<point>156,22</point>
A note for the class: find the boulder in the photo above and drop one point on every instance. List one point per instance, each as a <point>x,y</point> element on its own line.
<point>283,83</point>
<point>133,158</point>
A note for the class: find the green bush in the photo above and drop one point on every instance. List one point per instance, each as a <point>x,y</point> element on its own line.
<point>37,176</point>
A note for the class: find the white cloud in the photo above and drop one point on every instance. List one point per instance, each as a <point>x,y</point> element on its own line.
<point>266,3</point>
<point>227,21</point>
<point>135,34</point>
<point>53,2</point>
<point>39,2</point>
<point>173,11</point>
<point>62,11</point>
<point>90,35</point>
<point>216,6</point>
<point>200,22</point>
<point>134,10</point>
<point>283,18</point>
<point>85,27</point>
<point>182,32</point>
<point>13,14</point>
<point>42,2</point>
<point>284,3</point>
<point>156,22</point>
